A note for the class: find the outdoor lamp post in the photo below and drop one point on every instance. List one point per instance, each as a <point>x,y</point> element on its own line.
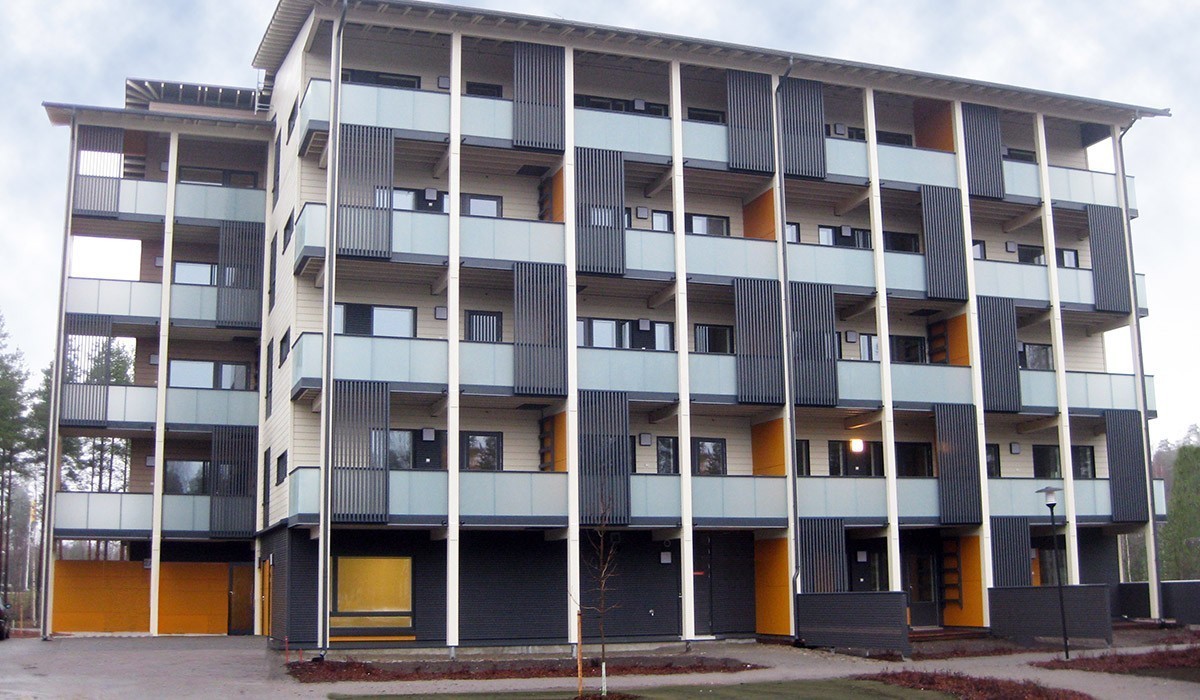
<point>1052,500</point>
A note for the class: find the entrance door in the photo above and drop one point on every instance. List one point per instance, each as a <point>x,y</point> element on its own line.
<point>264,607</point>
<point>702,583</point>
<point>921,584</point>
<point>241,598</point>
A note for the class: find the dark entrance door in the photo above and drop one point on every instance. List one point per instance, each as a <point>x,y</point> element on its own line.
<point>702,579</point>
<point>920,560</point>
<point>241,598</point>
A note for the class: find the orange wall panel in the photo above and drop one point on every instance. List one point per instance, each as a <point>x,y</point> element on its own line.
<point>767,445</point>
<point>101,596</point>
<point>560,442</point>
<point>933,124</point>
<point>758,217</point>
<point>956,340</point>
<point>557,203</point>
<point>971,566</point>
<point>772,589</point>
<point>193,598</point>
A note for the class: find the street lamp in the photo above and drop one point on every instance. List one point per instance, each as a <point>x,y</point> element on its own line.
<point>1052,500</point>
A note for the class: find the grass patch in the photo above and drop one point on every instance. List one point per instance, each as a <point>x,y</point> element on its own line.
<point>971,688</point>
<point>1175,664</point>
<point>843,689</point>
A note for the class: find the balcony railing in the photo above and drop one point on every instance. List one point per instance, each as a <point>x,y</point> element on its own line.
<point>859,382</point>
<point>186,513</point>
<point>1066,184</point>
<point>846,158</point>
<point>193,302</point>
<point>128,514</point>
<point>929,384</point>
<point>1038,388</point>
<point>415,493</point>
<point>306,361</point>
<point>512,239</point>
<point>304,491</point>
<point>1021,180</point>
<point>486,364</point>
<point>654,497</point>
<point>620,131</point>
<point>218,203</point>
<point>402,360</point>
<point>308,236</point>
<point>211,407</point>
<point>1015,280</point>
<point>707,142</point>
<point>112,195</point>
<point>314,108</point>
<point>649,250</point>
<point>905,271</point>
<point>1075,286</point>
<point>917,497</point>
<point>120,298</point>
<point>711,374</point>
<point>638,371</point>
<point>422,233</point>
<point>1099,391</point>
<point>97,403</point>
<point>828,264</point>
<point>760,500</point>
<point>396,108</point>
<point>514,496</point>
<point>918,166</point>
<point>841,497</point>
<point>722,256</point>
<point>1020,497</point>
<point>487,117</point>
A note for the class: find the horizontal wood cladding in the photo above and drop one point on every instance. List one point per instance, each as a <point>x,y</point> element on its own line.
<point>605,462</point>
<point>802,127</point>
<point>958,478</point>
<point>1000,364</point>
<point>365,173</point>
<point>749,110</point>
<point>540,329</point>
<point>821,551</point>
<point>239,274</point>
<point>234,465</point>
<point>945,252</point>
<point>758,341</point>
<point>1010,551</point>
<point>1126,466</point>
<point>814,343</point>
<point>361,417</point>
<point>1110,265</point>
<point>600,211</point>
<point>984,150</point>
<point>538,96</point>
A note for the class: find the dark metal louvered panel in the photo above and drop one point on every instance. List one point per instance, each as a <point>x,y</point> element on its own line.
<point>1010,551</point>
<point>1110,266</point>
<point>365,165</point>
<point>758,340</point>
<point>1000,365</point>
<point>802,127</point>
<point>100,139</point>
<point>302,577</point>
<point>814,344</point>
<point>599,211</point>
<point>605,463</point>
<point>98,184</point>
<point>361,415</point>
<point>538,96</point>
<point>984,150</point>
<point>1024,613</point>
<point>539,329</point>
<point>959,491</point>
<point>234,459</point>
<point>821,552</point>
<point>876,620</point>
<point>945,250</point>
<point>1126,466</point>
<point>751,141</point>
<point>87,368</point>
<point>239,274</point>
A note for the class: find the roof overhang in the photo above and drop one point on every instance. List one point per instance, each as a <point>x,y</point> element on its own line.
<point>62,114</point>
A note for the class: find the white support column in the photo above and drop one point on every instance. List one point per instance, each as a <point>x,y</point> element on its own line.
<point>684,417</point>
<point>1135,338</point>
<point>976,358</point>
<point>883,330</point>
<point>453,302</point>
<point>1060,355</point>
<point>574,587</point>
<point>160,409</point>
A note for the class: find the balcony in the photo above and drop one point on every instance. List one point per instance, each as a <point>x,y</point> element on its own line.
<point>654,499</point>
<point>754,501</point>
<point>856,499</point>
<point>78,514</point>
<point>304,493</point>
<point>1075,286</point>
<point>487,238</point>
<point>209,407</point>
<point>487,118</point>
<point>418,496</point>
<point>916,166</point>
<point>485,367</point>
<point>314,108</point>
<point>419,233</point>
<point>1097,391</point>
<point>513,498</point>
<point>705,142</point>
<point>922,385</point>
<point>216,203</point>
<point>1067,185</point>
<point>639,372</point>
<point>396,108</point>
<point>712,376</point>
<point>652,251</point>
<point>186,514</point>
<point>836,265</point>
<point>1038,390</point>
<point>859,383</point>
<point>621,131</point>
<point>1021,180</point>
<point>107,196</point>
<point>846,159</point>
<point>905,271</point>
<point>1020,497</point>
<point>308,236</point>
<point>120,298</point>
<point>109,405</point>
<point>413,361</point>
<point>192,302</point>
<point>1013,280</point>
<point>726,257</point>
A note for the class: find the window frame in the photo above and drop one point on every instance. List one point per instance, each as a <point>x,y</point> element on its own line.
<point>212,273</point>
<point>672,442</point>
<point>705,330</point>
<point>705,115</point>
<point>465,437</point>
<point>497,321</point>
<point>723,467</point>
<point>475,88</point>
<point>281,467</point>
<point>873,449</point>
<point>206,480</point>
<point>992,451</point>
<point>689,224</point>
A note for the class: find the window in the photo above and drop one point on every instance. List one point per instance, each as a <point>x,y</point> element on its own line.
<point>370,77</point>
<point>667,454</point>
<point>642,334</point>
<point>285,346</point>
<point>618,104</point>
<point>1083,461</point>
<point>268,390</point>
<point>482,205</point>
<point>892,138</point>
<point>844,461</point>
<point>193,175</point>
<point>662,221</point>
<point>1020,155</point>
<point>406,199</point>
<point>377,321</point>
<point>292,118</point>
<point>714,339</point>
<point>1035,356</point>
<point>372,593</point>
<point>484,89</point>
<point>700,114</point>
<point>854,133</point>
<point>908,348</point>
<point>484,326</point>
<point>914,459</point>
<point>1031,254</point>
<point>803,465</point>
<point>271,270</point>
<point>791,232</point>
<point>844,236</point>
<point>266,487</point>
<point>993,460</point>
<point>1045,462</point>
<point>275,165</point>
<point>399,450</point>
<point>898,242</point>
<point>706,225</point>
<point>281,467</point>
<point>185,477</point>
<point>204,274</point>
<point>708,456</point>
<point>979,250</point>
<point>1067,257</point>
<point>288,229</point>
<point>868,347</point>
<point>204,374</point>
<point>483,452</point>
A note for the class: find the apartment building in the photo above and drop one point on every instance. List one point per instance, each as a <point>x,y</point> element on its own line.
<point>781,340</point>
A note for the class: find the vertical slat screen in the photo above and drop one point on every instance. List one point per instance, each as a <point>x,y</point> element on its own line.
<point>984,147</point>
<point>361,414</point>
<point>945,252</point>
<point>239,274</point>
<point>600,211</point>
<point>234,458</point>
<point>1000,364</point>
<point>1126,466</point>
<point>1110,267</point>
<point>365,167</point>
<point>821,551</point>
<point>802,127</point>
<point>758,341</point>
<point>814,344</point>
<point>1010,551</point>
<point>87,368</point>
<point>958,464</point>
<point>751,141</point>
<point>539,329</point>
<point>99,165</point>
<point>538,87</point>
<point>605,463</point>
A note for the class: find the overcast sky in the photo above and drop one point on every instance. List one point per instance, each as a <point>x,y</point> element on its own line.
<point>81,51</point>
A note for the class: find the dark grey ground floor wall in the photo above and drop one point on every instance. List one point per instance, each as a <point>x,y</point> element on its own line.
<point>724,582</point>
<point>874,620</point>
<point>512,587</point>
<point>1181,601</point>
<point>642,596</point>
<point>1099,562</point>
<point>1032,611</point>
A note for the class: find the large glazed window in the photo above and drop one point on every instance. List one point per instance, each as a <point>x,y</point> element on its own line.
<point>708,456</point>
<point>185,477</point>
<point>372,593</point>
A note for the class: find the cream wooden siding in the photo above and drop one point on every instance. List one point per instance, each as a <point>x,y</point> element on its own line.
<point>410,54</point>
<point>819,429</point>
<point>736,432</point>
<point>520,429</point>
<point>712,205</point>
<point>645,459</point>
<point>358,291</point>
<point>475,299</point>
<point>520,194</point>
<point>608,78</point>
<point>811,218</point>
<point>1085,353</point>
<point>635,197</point>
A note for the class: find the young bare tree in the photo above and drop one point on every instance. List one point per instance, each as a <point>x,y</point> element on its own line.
<point>603,569</point>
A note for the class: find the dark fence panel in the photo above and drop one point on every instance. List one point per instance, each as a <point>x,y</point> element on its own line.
<point>539,329</point>
<point>1181,601</point>
<point>958,464</point>
<point>751,141</point>
<point>814,344</point>
<point>1126,466</point>
<point>758,341</point>
<point>538,87</point>
<point>1133,600</point>
<point>1110,268</point>
<point>981,134</point>
<point>87,368</point>
<point>1000,364</point>
<point>599,211</point>
<point>945,252</point>
<point>802,127</point>
<point>605,463</point>
<point>859,620</point>
<point>1028,612</point>
<point>361,415</point>
<point>1010,551</point>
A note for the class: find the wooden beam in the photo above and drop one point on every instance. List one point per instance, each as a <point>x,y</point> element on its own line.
<point>862,307</point>
<point>1022,221</point>
<point>1036,319</point>
<point>659,415</point>
<point>439,285</point>
<point>660,183</point>
<point>661,297</point>
<point>853,202</point>
<point>438,407</point>
<point>442,165</point>
<point>666,535</point>
<point>863,420</point>
<point>556,535</point>
<point>1037,425</point>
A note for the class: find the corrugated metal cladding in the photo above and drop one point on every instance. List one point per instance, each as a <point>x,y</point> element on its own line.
<point>599,211</point>
<point>361,415</point>
<point>539,329</point>
<point>538,92</point>
<point>366,155</point>
<point>1010,551</point>
<point>945,254</point>
<point>1000,364</point>
<point>604,460</point>
<point>643,595</point>
<point>958,463</point>
<point>821,551</point>
<point>239,274</point>
<point>1028,612</point>
<point>87,364</point>
<point>1110,267</point>
<point>724,582</point>
<point>98,194</point>
<point>1126,466</point>
<point>750,133</point>
<point>532,574</point>
<point>758,341</point>
<point>802,127</point>
<point>233,465</point>
<point>860,620</point>
<point>814,344</point>
<point>981,134</point>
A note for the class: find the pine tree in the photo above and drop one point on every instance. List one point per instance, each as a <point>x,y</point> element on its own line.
<point>13,436</point>
<point>1180,537</point>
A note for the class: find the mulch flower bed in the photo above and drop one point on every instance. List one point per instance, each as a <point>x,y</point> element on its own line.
<point>1130,663</point>
<point>971,688</point>
<point>332,671</point>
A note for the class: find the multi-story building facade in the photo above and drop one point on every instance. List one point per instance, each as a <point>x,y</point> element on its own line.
<point>461,305</point>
